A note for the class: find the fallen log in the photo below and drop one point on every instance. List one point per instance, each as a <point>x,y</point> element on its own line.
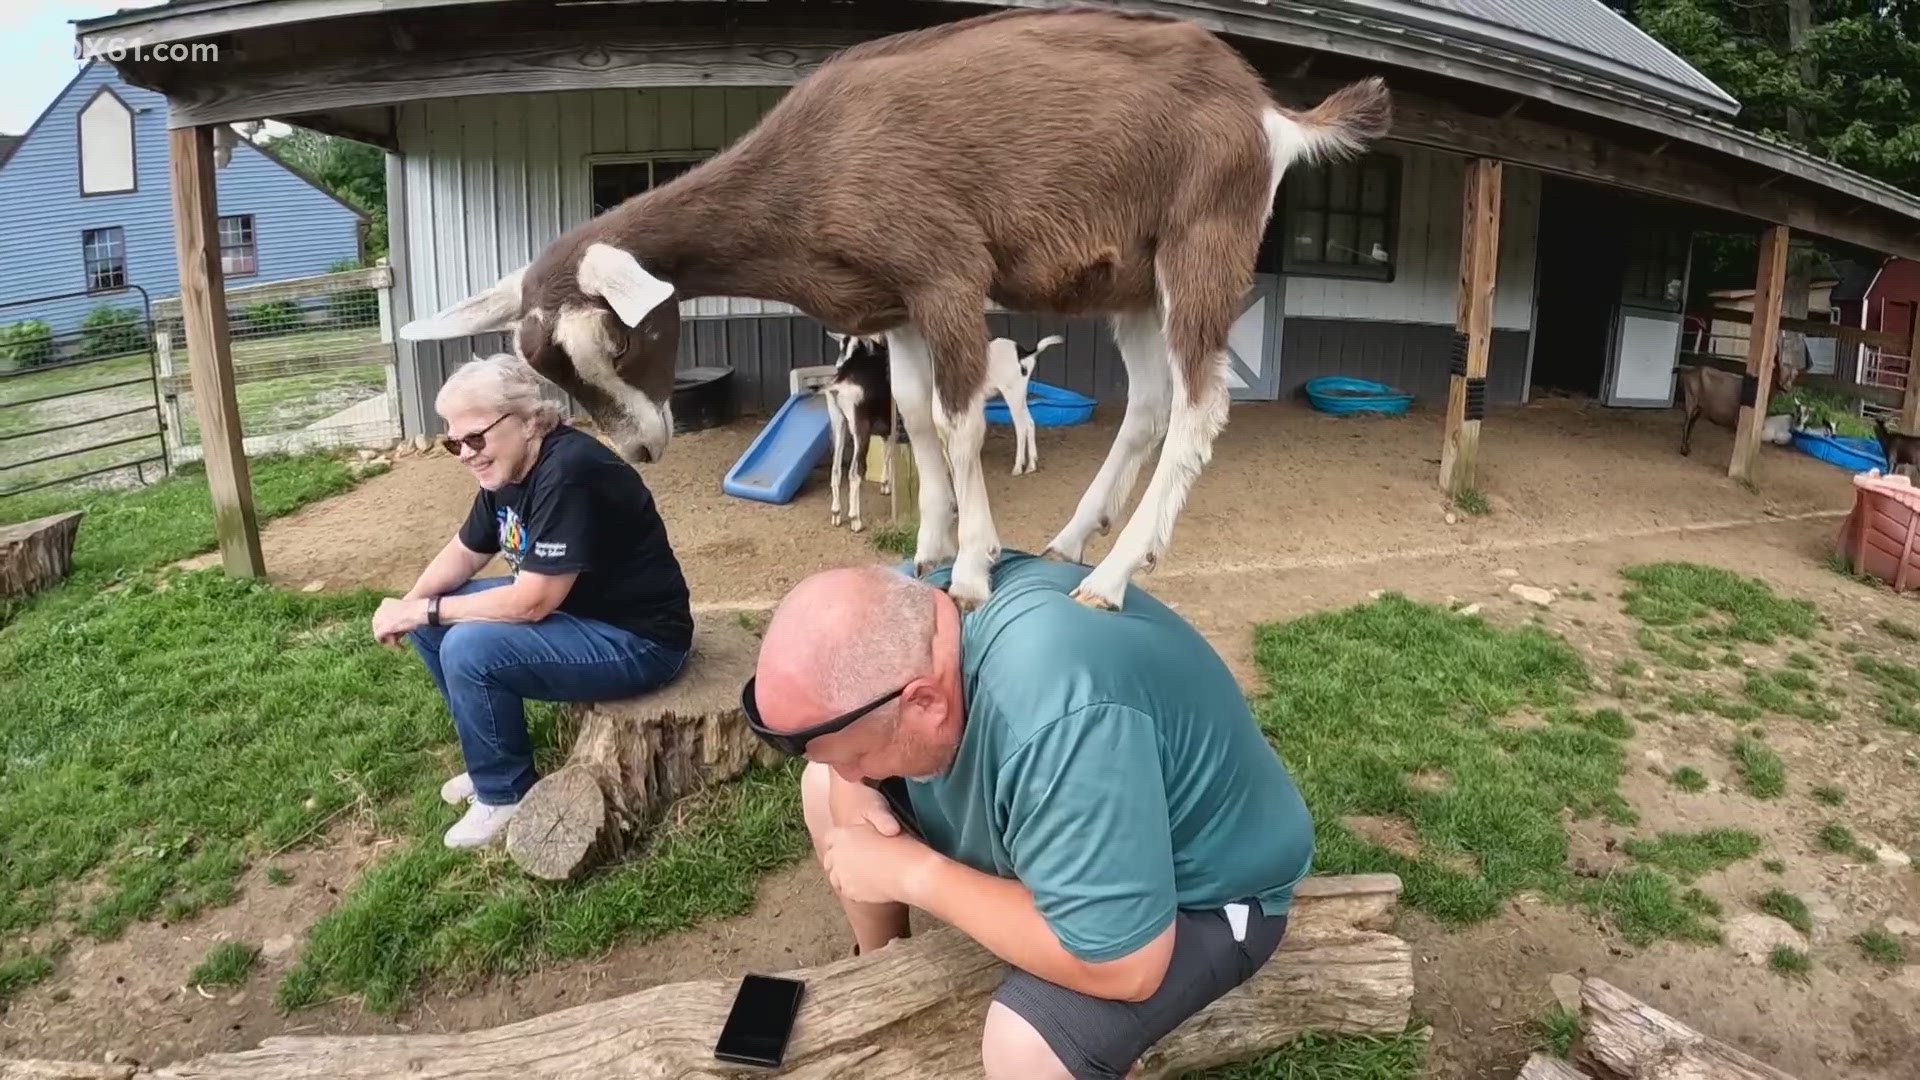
<point>910,1011</point>
<point>38,553</point>
<point>1548,1067</point>
<point>1624,1038</point>
<point>634,757</point>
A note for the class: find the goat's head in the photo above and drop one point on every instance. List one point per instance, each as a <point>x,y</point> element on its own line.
<point>596,323</point>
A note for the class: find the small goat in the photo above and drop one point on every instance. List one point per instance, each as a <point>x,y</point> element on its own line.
<point>1902,450</point>
<point>1075,161</point>
<point>1715,394</point>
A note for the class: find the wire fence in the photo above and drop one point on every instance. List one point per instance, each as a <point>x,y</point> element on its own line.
<point>79,404</point>
<point>313,364</point>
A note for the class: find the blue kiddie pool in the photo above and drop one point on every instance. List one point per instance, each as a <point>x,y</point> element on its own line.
<point>1340,395</point>
<point>1051,406</point>
<point>1850,452</point>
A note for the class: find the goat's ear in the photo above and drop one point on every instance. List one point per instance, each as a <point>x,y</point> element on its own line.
<point>495,308</point>
<point>618,278</point>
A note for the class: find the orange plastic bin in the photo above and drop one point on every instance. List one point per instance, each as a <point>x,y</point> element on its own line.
<point>1881,536</point>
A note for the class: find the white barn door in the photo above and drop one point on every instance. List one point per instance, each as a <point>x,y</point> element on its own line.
<point>1253,343</point>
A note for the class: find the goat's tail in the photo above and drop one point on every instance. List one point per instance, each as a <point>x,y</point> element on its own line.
<point>1342,125</point>
<point>1045,343</point>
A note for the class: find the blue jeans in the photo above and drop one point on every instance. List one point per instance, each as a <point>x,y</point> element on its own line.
<point>487,670</point>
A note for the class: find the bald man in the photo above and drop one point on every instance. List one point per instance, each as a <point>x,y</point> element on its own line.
<point>1083,792</point>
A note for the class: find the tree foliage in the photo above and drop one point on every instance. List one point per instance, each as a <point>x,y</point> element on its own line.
<point>1847,91</point>
<point>355,172</point>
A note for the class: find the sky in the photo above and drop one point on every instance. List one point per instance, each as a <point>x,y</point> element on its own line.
<point>37,55</point>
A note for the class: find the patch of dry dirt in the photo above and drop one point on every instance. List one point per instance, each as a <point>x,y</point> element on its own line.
<point>1578,494</point>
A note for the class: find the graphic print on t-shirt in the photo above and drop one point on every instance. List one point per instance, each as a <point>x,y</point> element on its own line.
<point>513,537</point>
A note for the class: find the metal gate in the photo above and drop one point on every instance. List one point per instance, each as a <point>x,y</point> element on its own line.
<point>80,403</point>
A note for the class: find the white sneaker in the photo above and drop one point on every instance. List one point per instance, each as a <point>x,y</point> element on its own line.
<point>482,825</point>
<point>457,790</point>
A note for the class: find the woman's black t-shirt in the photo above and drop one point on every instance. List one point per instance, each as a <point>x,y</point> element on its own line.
<point>582,509</point>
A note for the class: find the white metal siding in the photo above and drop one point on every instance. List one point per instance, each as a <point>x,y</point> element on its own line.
<point>492,179</point>
<point>1426,279</point>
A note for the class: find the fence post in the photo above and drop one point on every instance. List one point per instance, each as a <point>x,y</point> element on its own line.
<point>384,290</point>
<point>170,415</point>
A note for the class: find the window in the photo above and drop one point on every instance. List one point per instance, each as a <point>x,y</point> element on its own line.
<point>105,252</point>
<point>106,145</point>
<point>1339,220</point>
<point>237,257</point>
<point>615,181</point>
<point>1656,270</point>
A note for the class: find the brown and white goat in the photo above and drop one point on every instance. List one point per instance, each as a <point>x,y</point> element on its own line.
<point>1715,394</point>
<point>1067,162</point>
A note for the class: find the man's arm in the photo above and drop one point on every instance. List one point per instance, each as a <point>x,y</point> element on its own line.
<point>1001,915</point>
<point>532,597</point>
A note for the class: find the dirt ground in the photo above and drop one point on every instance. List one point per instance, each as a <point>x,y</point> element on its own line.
<point>1577,495</point>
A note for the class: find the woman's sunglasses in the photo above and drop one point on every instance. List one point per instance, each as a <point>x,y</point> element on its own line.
<point>476,442</point>
<point>794,743</point>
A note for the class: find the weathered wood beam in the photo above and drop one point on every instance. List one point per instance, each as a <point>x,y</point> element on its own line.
<point>1624,1038</point>
<point>1547,1067</point>
<point>530,62</point>
<point>1762,342</point>
<point>209,357</point>
<point>1479,265</point>
<point>1910,402</point>
<point>910,1011</point>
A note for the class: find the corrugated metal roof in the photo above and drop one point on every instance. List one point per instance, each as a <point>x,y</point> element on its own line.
<point>1580,34</point>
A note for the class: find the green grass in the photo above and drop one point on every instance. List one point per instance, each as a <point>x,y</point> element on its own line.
<point>1899,685</point>
<point>1840,840</point>
<point>1470,501</point>
<point>1774,866</point>
<point>1326,1056</point>
<point>427,912</point>
<point>1789,961</point>
<point>1360,701</point>
<point>1688,855</point>
<point>1787,691</point>
<point>1719,605</point>
<point>1761,770</point>
<point>1829,794</point>
<point>897,539</point>
<point>1786,907</point>
<point>1691,659</point>
<point>1688,778</point>
<point>227,964</point>
<point>1878,945</point>
<point>1647,905</point>
<point>1628,667</point>
<point>279,875</point>
<point>1609,722</point>
<point>1898,630</point>
<point>1556,1030</point>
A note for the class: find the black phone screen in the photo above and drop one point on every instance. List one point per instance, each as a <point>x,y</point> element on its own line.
<point>761,1019</point>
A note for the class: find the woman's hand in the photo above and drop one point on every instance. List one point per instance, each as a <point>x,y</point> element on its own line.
<point>394,618</point>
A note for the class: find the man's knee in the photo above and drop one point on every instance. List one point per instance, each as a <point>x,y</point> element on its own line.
<point>1010,1048</point>
<point>468,650</point>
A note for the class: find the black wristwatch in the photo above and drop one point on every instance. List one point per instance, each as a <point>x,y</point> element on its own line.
<point>433,611</point>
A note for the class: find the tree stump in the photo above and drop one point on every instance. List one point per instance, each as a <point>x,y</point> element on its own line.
<point>1548,1067</point>
<point>634,757</point>
<point>36,554</point>
<point>910,1011</point>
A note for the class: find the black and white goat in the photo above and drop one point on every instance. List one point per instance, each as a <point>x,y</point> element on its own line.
<point>860,406</point>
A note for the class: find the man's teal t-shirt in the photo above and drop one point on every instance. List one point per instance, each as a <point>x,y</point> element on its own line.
<point>1110,763</point>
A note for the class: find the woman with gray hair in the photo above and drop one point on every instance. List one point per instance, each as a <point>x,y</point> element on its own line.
<point>596,607</point>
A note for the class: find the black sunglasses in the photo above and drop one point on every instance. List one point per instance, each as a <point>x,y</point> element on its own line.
<point>794,743</point>
<point>476,442</point>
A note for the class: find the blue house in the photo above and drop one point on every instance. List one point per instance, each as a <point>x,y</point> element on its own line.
<point>86,210</point>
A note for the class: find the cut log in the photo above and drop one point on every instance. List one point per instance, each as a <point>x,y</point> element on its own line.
<point>1548,1067</point>
<point>62,1070</point>
<point>910,1011</point>
<point>1624,1038</point>
<point>634,757</point>
<point>38,553</point>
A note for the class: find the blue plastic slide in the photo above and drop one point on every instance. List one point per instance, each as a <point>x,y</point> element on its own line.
<point>784,452</point>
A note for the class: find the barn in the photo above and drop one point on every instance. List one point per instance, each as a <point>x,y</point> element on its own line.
<point>1526,224</point>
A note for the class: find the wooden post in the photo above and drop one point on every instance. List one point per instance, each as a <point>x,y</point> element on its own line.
<point>1763,344</point>
<point>1479,263</point>
<point>1910,405</point>
<point>203,306</point>
<point>169,401</point>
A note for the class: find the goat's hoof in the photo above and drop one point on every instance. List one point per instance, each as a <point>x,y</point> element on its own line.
<point>858,525</point>
<point>836,521</point>
<point>1094,599</point>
